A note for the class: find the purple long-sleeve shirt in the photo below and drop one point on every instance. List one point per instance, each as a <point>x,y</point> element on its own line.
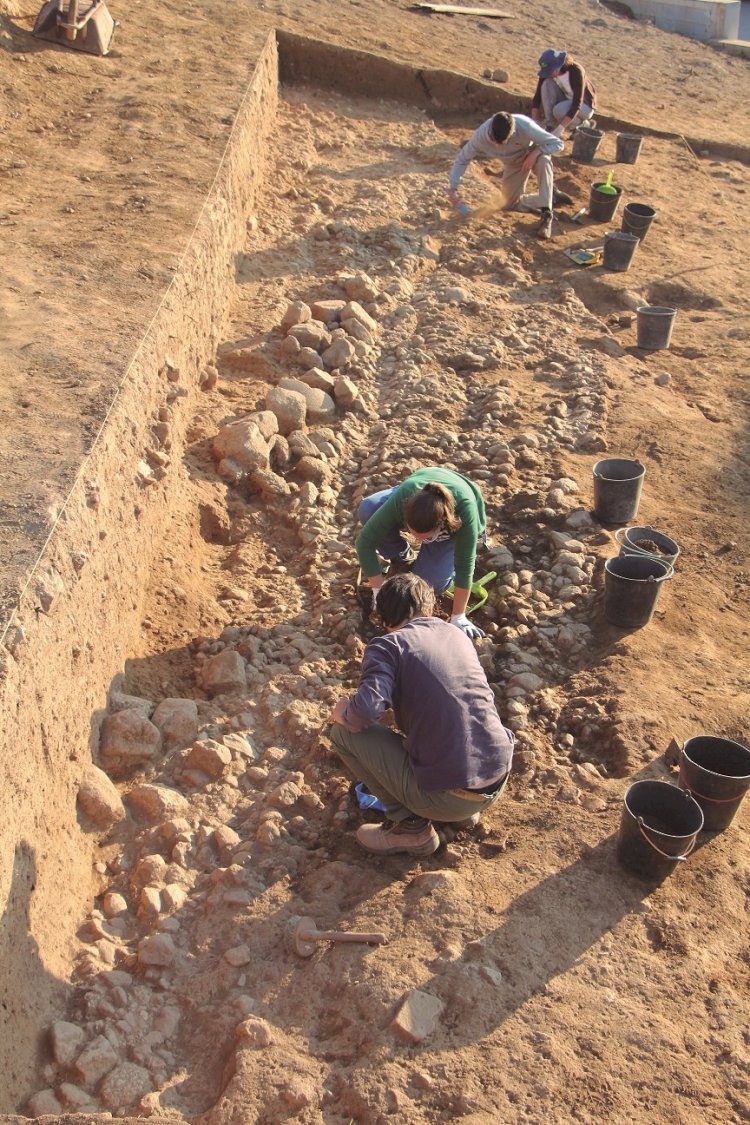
<point>429,673</point>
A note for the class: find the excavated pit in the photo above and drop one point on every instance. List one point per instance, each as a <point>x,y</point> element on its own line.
<point>213,604</point>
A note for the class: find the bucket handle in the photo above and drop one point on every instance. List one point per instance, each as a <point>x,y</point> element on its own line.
<point>665,577</point>
<point>622,532</point>
<point>620,540</point>
<point>695,793</point>
<point>665,854</point>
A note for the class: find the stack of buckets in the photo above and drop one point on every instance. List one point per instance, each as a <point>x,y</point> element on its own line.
<point>660,822</point>
<point>654,323</point>
<point>633,579</point>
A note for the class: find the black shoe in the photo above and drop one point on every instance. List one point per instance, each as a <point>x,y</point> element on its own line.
<point>544,230</point>
<point>366,599</point>
<point>561,199</point>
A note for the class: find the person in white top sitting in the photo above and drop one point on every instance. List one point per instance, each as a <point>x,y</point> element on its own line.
<point>564,97</point>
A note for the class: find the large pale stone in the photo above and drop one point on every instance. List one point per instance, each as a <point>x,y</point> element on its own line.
<point>128,740</point>
<point>307,357</point>
<point>66,1040</point>
<point>125,1085</point>
<point>312,334</point>
<point>300,445</point>
<point>243,443</point>
<point>238,956</point>
<point>212,758</point>
<point>99,798</point>
<point>289,407</point>
<point>327,311</point>
<point>95,1060</point>
<point>269,484</point>
<point>267,423</point>
<point>320,406</point>
<point>156,802</point>
<point>358,331</point>
<point>44,1102</point>
<point>340,354</point>
<point>315,377</point>
<point>312,468</point>
<point>297,312</point>
<point>354,311</point>
<point>359,286</point>
<point>344,391</point>
<point>224,673</point>
<point>157,949</point>
<point>120,700</point>
<point>418,1016</point>
<point>76,1099</point>
<point>177,719</point>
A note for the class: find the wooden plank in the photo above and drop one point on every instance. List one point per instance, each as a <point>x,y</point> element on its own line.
<point>460,10</point>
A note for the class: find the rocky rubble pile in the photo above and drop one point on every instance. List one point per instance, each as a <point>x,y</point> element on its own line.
<point>219,797</point>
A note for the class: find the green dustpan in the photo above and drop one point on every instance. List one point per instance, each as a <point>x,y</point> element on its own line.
<point>606,188</point>
<point>479,592</point>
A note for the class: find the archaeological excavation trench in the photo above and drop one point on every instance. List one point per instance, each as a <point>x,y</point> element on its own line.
<point>193,620</point>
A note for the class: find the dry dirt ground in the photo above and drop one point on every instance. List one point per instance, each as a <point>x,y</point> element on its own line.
<point>569,990</point>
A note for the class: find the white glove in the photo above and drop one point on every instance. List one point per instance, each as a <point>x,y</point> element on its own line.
<point>461,621</point>
<point>558,130</point>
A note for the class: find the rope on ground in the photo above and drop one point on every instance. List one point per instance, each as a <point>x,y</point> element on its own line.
<point>692,152</point>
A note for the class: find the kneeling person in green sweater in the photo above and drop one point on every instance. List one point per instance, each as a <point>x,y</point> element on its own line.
<point>440,510</point>
<point>454,756</point>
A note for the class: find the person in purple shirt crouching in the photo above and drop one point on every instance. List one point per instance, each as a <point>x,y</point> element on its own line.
<point>454,756</point>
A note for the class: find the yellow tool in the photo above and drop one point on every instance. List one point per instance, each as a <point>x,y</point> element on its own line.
<point>478,594</point>
<point>606,188</point>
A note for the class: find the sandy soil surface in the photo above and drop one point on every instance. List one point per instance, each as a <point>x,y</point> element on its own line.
<point>568,989</point>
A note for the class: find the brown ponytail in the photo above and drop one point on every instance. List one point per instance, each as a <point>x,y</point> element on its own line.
<point>431,508</point>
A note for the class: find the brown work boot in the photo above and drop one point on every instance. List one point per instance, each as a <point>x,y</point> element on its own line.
<point>544,230</point>
<point>414,835</point>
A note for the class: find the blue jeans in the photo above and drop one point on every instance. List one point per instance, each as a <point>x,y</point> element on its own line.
<point>435,561</point>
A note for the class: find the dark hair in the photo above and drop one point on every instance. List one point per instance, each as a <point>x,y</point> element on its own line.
<point>432,507</point>
<point>404,596</point>
<point>501,126</point>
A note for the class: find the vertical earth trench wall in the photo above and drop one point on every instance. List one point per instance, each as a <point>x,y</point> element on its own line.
<point>81,604</point>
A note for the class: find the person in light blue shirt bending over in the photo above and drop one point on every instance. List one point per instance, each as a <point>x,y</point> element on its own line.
<point>522,146</point>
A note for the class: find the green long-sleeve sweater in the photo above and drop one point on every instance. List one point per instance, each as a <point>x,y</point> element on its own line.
<point>390,518</point>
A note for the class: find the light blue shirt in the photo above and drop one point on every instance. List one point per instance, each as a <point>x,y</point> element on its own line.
<point>525,136</point>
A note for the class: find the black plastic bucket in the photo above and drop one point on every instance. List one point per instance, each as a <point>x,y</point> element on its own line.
<point>603,204</point>
<point>637,218</point>
<point>619,249</point>
<point>628,148</point>
<point>647,542</point>
<point>617,489</point>
<point>660,824</point>
<point>585,143</point>
<point>716,771</point>
<point>631,589</point>
<point>654,327</point>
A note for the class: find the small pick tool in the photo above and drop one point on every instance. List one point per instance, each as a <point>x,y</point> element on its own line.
<point>304,936</point>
